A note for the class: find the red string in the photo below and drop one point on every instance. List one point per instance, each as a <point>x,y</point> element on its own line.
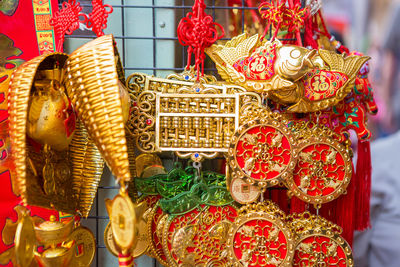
<point>66,20</point>
<point>198,31</point>
<point>98,17</point>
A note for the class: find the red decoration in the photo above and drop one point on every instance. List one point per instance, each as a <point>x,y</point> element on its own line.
<point>321,84</point>
<point>289,15</point>
<point>98,17</point>
<point>66,20</point>
<point>255,237</point>
<point>156,233</point>
<point>198,31</point>
<point>319,250</point>
<point>260,65</point>
<point>201,226</point>
<point>323,166</point>
<point>263,153</point>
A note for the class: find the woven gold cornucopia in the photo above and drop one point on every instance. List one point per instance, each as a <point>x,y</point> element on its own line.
<point>18,99</point>
<point>82,155</point>
<point>92,84</point>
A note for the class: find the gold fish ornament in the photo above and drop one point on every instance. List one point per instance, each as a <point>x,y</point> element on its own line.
<point>306,80</point>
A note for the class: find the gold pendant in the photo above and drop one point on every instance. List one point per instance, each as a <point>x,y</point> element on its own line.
<point>109,240</point>
<point>323,170</point>
<point>85,247</point>
<point>243,192</point>
<point>123,221</point>
<point>261,152</point>
<point>25,241</point>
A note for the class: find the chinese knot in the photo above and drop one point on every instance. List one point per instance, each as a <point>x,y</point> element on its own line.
<point>98,18</point>
<point>198,31</point>
<point>66,20</point>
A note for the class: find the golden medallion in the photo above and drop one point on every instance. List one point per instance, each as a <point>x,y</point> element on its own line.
<point>123,221</point>
<point>152,171</point>
<point>85,247</point>
<point>243,192</point>
<point>142,243</point>
<point>145,160</point>
<point>261,151</point>
<point>109,240</point>
<point>319,242</point>
<point>260,237</point>
<point>323,170</point>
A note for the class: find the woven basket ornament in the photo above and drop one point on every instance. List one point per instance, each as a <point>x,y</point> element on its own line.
<point>83,157</point>
<point>92,84</point>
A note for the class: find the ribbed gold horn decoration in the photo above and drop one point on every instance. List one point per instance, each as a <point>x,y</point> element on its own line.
<point>87,168</point>
<point>92,84</point>
<point>19,92</point>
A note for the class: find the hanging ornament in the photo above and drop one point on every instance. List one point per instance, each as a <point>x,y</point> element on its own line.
<point>323,170</point>
<point>199,236</point>
<point>261,152</point>
<point>198,31</point>
<point>319,242</point>
<point>97,19</point>
<point>314,80</point>
<point>66,20</point>
<point>260,237</point>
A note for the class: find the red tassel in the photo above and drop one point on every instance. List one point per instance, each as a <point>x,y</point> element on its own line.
<point>297,205</point>
<point>279,197</point>
<point>309,34</point>
<point>363,186</point>
<point>342,211</point>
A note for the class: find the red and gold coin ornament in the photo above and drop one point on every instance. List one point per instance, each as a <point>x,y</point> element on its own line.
<point>322,172</point>
<point>261,151</point>
<point>318,242</point>
<point>260,237</point>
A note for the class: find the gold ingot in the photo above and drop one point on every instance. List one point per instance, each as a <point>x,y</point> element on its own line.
<point>53,232</point>
<point>47,116</point>
<point>57,256</point>
<point>92,81</point>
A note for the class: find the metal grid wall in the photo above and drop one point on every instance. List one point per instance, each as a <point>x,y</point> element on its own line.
<point>120,23</point>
